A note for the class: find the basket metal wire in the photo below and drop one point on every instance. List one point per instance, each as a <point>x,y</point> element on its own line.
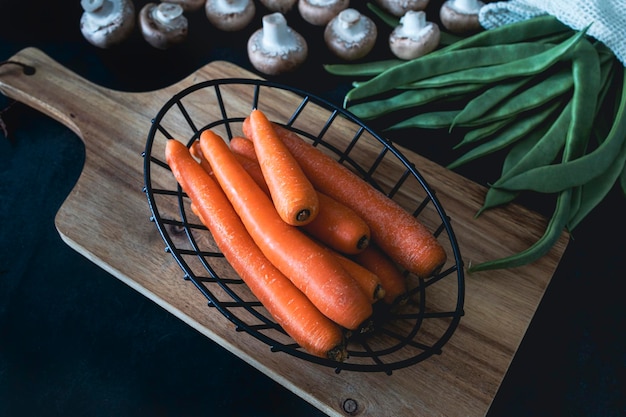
<point>402,335</point>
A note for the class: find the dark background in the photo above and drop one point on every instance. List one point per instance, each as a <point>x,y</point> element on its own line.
<point>76,341</point>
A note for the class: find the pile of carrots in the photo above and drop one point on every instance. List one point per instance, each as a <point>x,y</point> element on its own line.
<point>315,243</point>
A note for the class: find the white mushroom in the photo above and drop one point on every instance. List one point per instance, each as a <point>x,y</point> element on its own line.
<point>414,36</point>
<point>230,15</point>
<point>350,35</point>
<point>105,23</point>
<point>163,25</point>
<point>461,16</point>
<point>282,6</point>
<point>188,5</point>
<point>276,48</point>
<point>399,8</point>
<point>320,12</point>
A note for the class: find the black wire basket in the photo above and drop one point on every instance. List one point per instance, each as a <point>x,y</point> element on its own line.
<point>403,334</point>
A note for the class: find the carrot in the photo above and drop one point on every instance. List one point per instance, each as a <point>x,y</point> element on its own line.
<point>399,234</point>
<point>368,281</point>
<point>390,276</point>
<point>307,264</point>
<point>243,146</point>
<point>292,193</point>
<point>336,225</point>
<point>289,306</point>
<point>196,152</point>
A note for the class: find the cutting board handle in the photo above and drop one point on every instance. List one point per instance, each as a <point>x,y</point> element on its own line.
<point>52,89</point>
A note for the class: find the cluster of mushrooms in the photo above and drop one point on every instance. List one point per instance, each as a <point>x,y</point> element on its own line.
<point>276,47</point>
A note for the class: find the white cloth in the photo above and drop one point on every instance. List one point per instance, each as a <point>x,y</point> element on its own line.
<point>607,17</point>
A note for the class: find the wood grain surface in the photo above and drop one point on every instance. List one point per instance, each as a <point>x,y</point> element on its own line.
<point>106,219</point>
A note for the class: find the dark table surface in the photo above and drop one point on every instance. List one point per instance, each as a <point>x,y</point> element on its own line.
<point>75,341</point>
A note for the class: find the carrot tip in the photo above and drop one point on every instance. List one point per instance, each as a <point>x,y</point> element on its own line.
<point>338,354</point>
<point>363,243</point>
<point>303,215</point>
<point>379,292</point>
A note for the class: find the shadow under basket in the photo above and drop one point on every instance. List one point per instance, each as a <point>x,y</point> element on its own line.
<point>401,335</point>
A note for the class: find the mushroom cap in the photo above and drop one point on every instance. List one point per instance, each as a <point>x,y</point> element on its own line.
<point>229,15</point>
<point>188,5</point>
<point>162,35</point>
<point>406,47</point>
<point>399,7</point>
<point>355,47</point>
<point>278,59</point>
<point>105,32</point>
<point>282,6</point>
<point>458,22</point>
<point>320,12</point>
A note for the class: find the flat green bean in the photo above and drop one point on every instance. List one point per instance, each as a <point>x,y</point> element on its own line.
<point>578,171</point>
<point>484,102</point>
<point>429,120</point>
<point>481,132</point>
<point>499,196</point>
<point>542,246</point>
<point>544,151</point>
<point>525,66</point>
<point>366,69</point>
<point>437,63</point>
<point>524,31</point>
<point>520,127</point>
<point>594,191</point>
<point>555,85</point>
<point>409,99</point>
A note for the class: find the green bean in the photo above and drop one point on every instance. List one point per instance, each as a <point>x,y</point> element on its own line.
<point>476,57</point>
<point>524,31</point>
<point>525,66</point>
<point>542,246</point>
<point>366,69</point>
<point>437,63</point>
<point>594,191</point>
<point>408,99</point>
<point>429,120</point>
<point>481,132</point>
<point>553,86</point>
<point>484,102</point>
<point>511,134</point>
<point>545,150</point>
<point>577,167</point>
<point>498,196</point>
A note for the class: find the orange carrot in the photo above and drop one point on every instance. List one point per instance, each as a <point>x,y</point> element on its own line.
<point>310,267</point>
<point>390,276</point>
<point>292,193</point>
<point>289,306</point>
<point>399,234</point>
<point>336,225</point>
<point>339,227</point>
<point>196,152</point>
<point>243,146</point>
<point>367,280</point>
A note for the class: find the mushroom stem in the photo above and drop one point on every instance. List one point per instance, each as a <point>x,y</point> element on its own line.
<point>350,27</point>
<point>167,13</point>
<point>466,6</point>
<point>277,35</point>
<point>101,12</point>
<point>412,24</point>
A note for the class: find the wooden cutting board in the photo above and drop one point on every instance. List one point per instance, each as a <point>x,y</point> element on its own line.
<point>106,219</point>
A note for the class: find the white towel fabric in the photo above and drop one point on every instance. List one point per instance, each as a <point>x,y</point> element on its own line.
<point>607,17</point>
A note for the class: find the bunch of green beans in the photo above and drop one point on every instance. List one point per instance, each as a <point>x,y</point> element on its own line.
<point>549,98</point>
